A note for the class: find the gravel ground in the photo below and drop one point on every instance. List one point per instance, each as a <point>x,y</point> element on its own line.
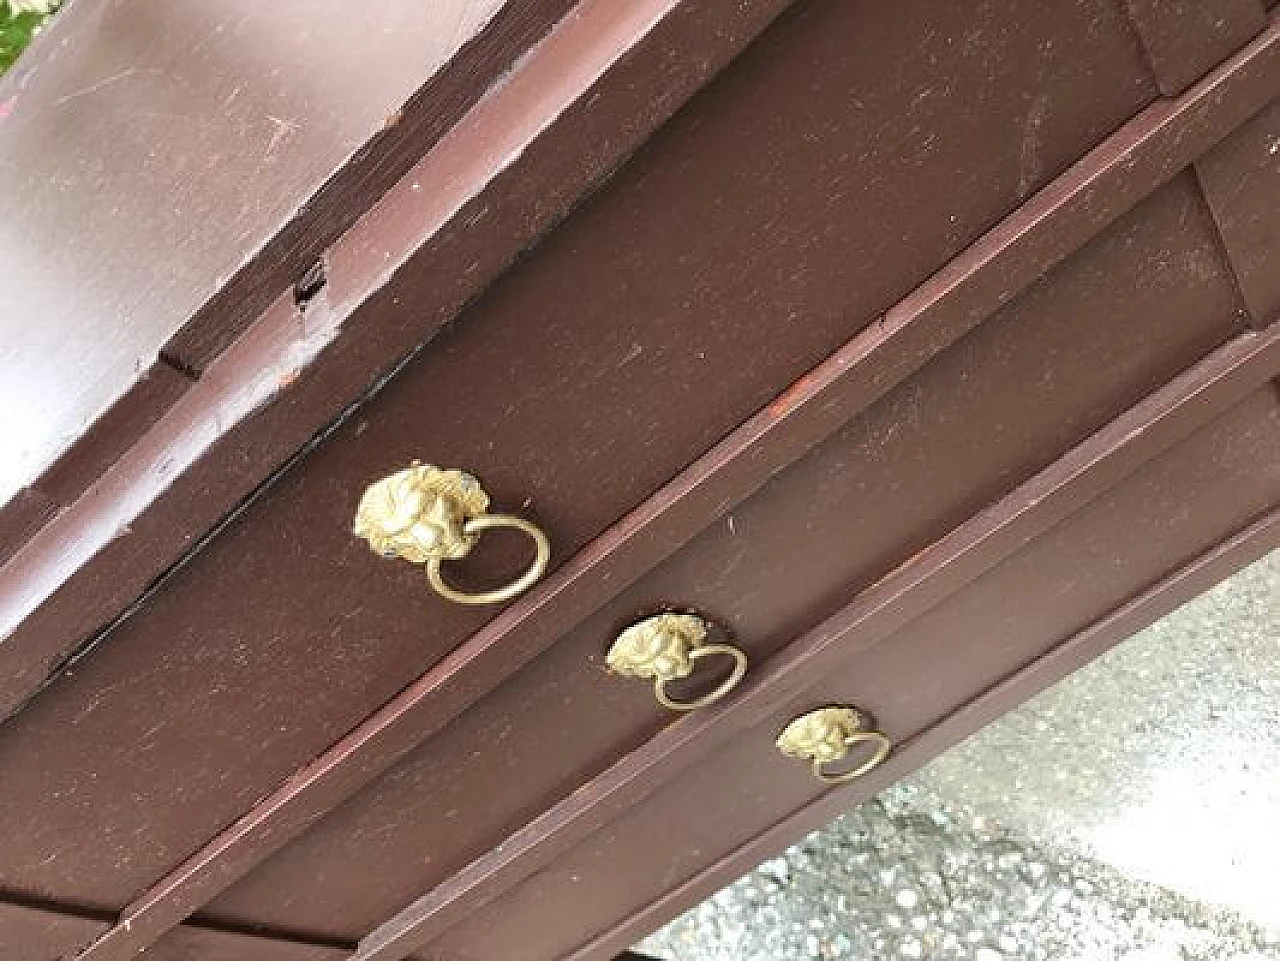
<point>1138,823</point>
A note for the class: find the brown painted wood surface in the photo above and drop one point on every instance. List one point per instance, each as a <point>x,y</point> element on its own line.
<point>1074,204</point>
<point>1161,518</point>
<point>1186,583</point>
<point>1241,180</point>
<point>590,93</point>
<point>1185,112</point>
<point>757,232</point>
<point>32,933</point>
<point>202,144</point>
<point>1184,39</point>
<point>1077,350</point>
<point>283,634</point>
<point>35,932</point>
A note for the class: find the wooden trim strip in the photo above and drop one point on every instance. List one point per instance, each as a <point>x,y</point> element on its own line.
<point>1137,159</point>
<point>1171,591</point>
<point>1156,424</point>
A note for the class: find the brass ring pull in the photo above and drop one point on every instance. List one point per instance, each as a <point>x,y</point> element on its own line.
<point>531,576</point>
<point>665,648</point>
<point>721,689</point>
<point>826,736</point>
<point>427,515</point>
<point>882,748</point>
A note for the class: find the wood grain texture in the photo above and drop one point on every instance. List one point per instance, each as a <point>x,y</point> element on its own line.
<point>21,517</point>
<point>151,149</point>
<point>352,280</point>
<point>114,432</point>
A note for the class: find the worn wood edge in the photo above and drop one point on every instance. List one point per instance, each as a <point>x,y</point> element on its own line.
<point>1055,222</point>
<point>245,455</point>
<point>1205,113</point>
<point>1165,595</point>
<point>213,452</point>
<point>721,29</point>
<point>1088,470</point>
<point>24,514</point>
<point>114,432</point>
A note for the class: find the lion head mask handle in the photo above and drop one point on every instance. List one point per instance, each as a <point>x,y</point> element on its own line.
<point>427,515</point>
<point>827,736</point>
<point>665,648</point>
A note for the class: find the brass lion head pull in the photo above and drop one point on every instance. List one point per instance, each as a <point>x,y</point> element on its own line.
<point>827,736</point>
<point>665,648</point>
<point>426,515</point>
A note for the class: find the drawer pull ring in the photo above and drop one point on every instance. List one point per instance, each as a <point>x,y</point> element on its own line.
<point>427,515</point>
<point>827,736</point>
<point>665,648</point>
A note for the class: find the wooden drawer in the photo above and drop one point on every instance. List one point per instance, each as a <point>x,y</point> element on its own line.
<point>752,236</point>
<point>1110,568</point>
<point>1041,375</point>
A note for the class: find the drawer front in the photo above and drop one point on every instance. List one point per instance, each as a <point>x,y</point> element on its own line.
<point>913,683</point>
<point>1074,351</point>
<point>796,197</point>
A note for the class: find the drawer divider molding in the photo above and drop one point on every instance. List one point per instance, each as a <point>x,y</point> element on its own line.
<point>1138,158</point>
<point>1143,432</point>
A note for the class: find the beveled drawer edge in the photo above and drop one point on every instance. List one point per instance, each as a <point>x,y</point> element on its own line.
<point>1182,585</point>
<point>1134,161</point>
<point>1151,427</point>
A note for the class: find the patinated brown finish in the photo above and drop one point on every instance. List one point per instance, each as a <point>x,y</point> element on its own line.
<point>579,102</point>
<point>276,664</point>
<point>869,622</point>
<point>731,379</point>
<point>1241,181</point>
<point>33,932</point>
<point>836,521</point>
<point>591,931</point>
<point>1184,39</point>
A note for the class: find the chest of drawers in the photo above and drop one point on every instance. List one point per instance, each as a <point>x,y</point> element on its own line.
<point>923,352</point>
